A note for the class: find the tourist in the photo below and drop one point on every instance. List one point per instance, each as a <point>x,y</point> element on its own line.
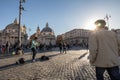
<point>60,47</point>
<point>0,49</point>
<point>3,49</point>
<point>7,47</point>
<point>64,47</point>
<point>34,45</point>
<point>104,48</point>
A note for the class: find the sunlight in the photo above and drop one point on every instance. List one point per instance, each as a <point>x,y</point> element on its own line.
<point>90,25</point>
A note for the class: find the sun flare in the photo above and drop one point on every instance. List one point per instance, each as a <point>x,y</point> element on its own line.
<point>90,25</point>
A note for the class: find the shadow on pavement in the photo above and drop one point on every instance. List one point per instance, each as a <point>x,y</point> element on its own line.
<point>26,62</point>
<point>30,61</point>
<point>83,55</point>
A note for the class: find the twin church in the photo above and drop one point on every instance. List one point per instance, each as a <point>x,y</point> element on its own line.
<point>46,36</point>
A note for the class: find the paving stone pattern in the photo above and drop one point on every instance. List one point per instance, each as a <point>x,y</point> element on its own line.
<point>71,66</point>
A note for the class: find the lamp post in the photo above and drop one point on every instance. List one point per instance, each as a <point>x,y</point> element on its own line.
<point>107,17</point>
<point>29,33</point>
<point>20,13</point>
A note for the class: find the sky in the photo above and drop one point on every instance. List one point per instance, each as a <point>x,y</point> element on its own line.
<point>61,15</point>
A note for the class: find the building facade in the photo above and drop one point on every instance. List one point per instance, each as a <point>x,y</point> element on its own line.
<point>76,36</point>
<point>10,34</point>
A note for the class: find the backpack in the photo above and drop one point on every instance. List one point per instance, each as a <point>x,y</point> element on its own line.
<point>20,61</point>
<point>43,58</point>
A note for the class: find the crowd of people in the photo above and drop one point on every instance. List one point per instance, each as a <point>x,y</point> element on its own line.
<point>63,47</point>
<point>9,48</point>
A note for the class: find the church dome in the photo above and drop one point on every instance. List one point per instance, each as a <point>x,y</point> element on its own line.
<point>47,29</point>
<point>13,25</point>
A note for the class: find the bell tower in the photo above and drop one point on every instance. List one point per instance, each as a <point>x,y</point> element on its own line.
<point>15,21</point>
<point>38,30</point>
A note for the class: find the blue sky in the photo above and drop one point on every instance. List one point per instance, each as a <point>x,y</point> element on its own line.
<point>62,15</point>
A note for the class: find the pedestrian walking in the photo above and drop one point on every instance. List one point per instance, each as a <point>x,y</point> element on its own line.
<point>7,47</point>
<point>34,45</point>
<point>68,46</point>
<point>3,49</point>
<point>60,47</point>
<point>104,48</point>
<point>64,47</point>
<point>0,49</point>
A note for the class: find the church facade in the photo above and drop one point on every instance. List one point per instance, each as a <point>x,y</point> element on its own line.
<point>10,34</point>
<point>46,36</point>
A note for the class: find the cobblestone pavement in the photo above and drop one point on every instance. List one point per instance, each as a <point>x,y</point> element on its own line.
<point>71,66</point>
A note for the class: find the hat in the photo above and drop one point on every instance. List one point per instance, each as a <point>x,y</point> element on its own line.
<point>100,23</point>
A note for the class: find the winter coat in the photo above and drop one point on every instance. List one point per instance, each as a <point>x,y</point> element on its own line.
<point>104,48</point>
